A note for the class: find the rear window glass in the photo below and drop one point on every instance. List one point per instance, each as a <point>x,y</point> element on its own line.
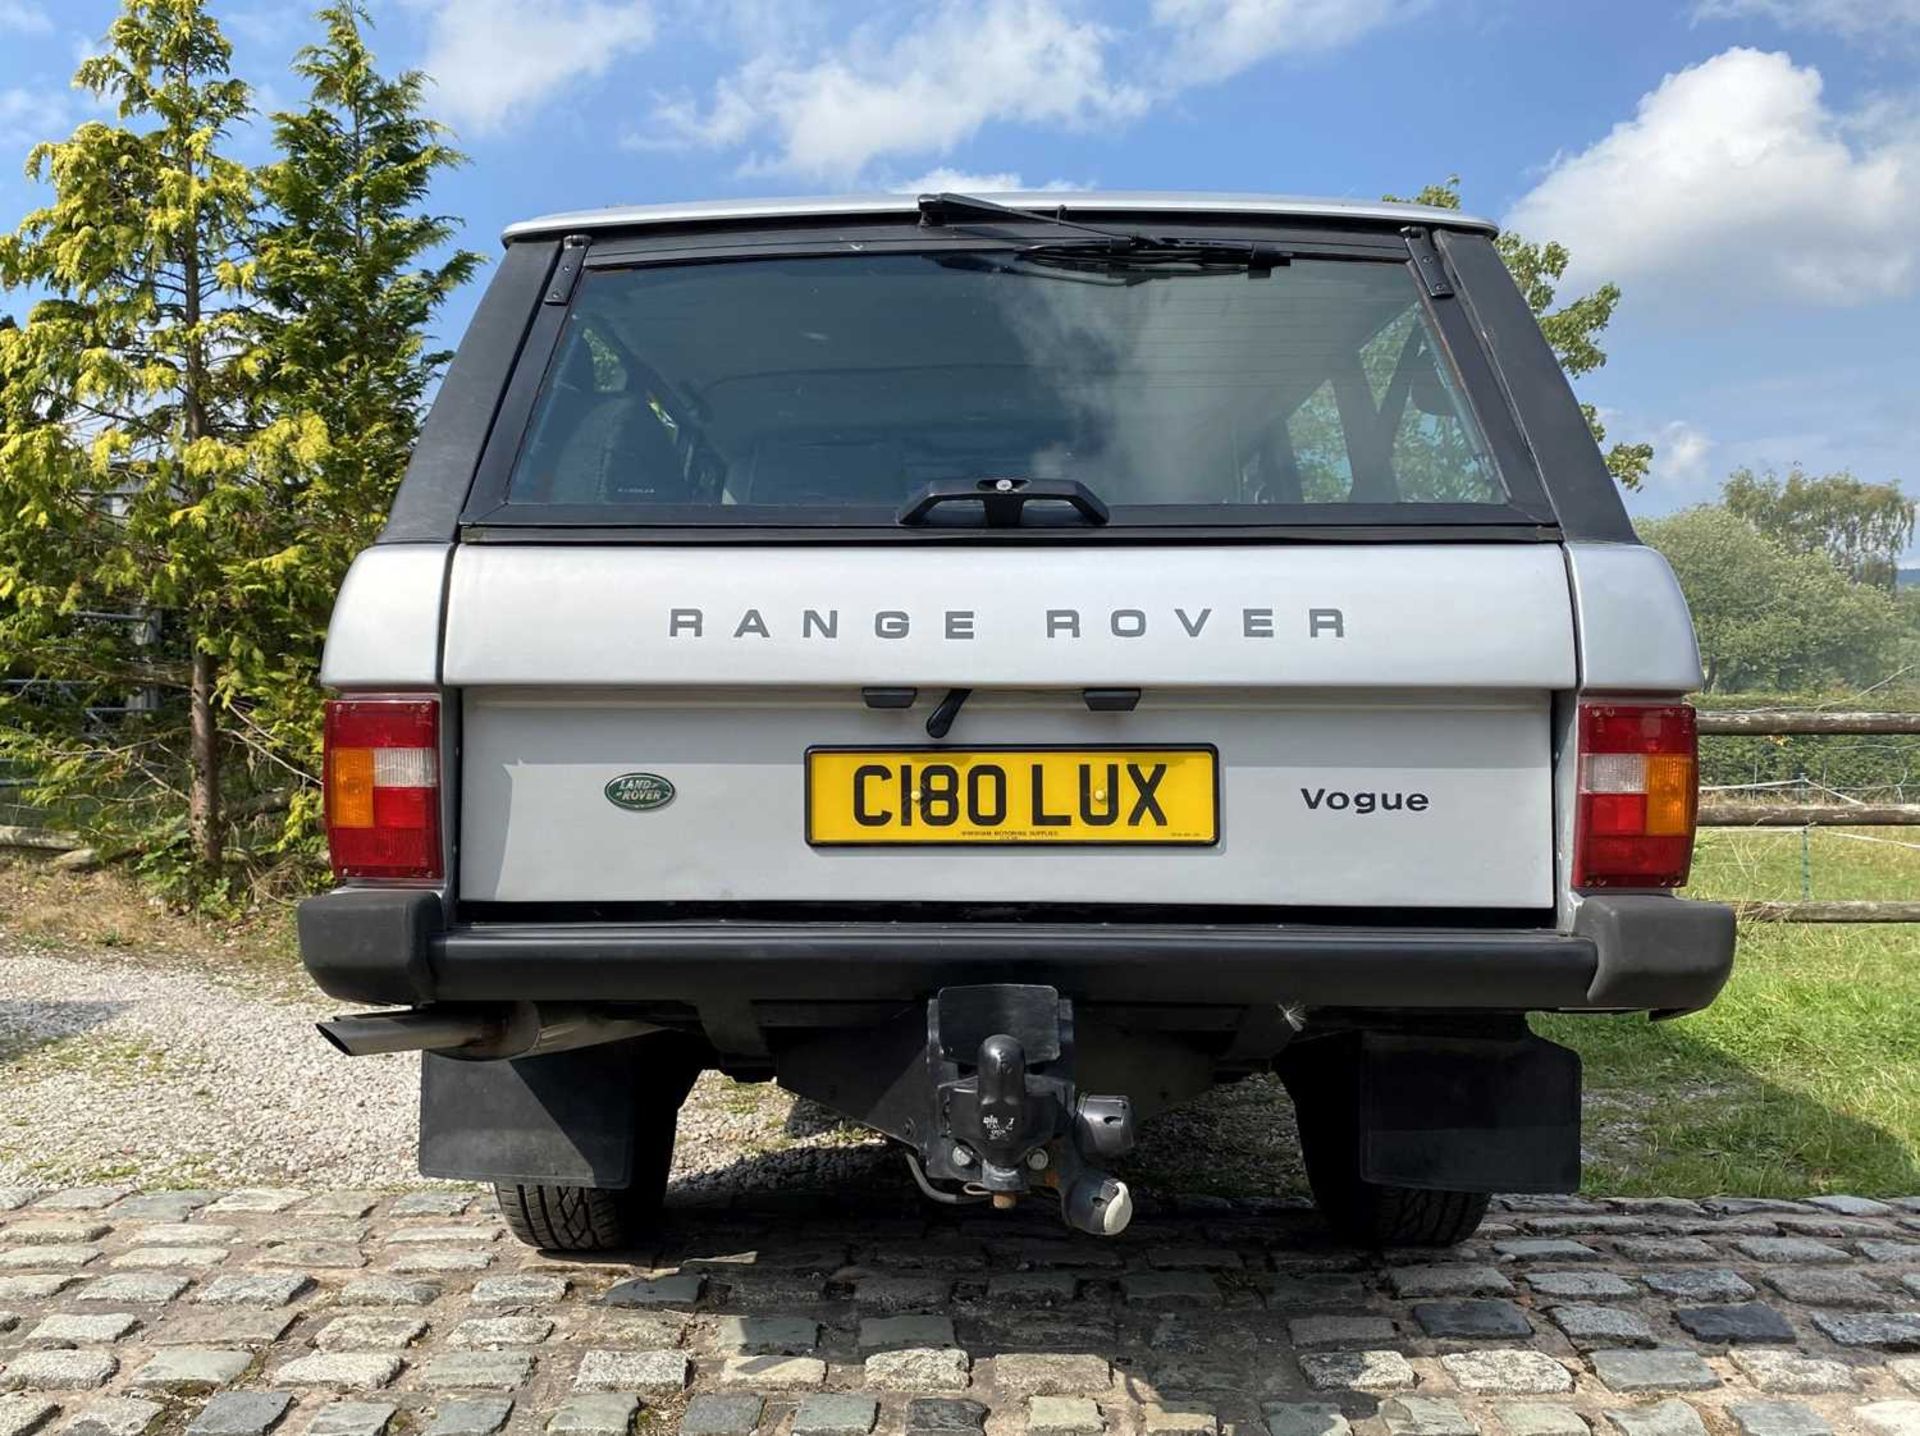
<point>798,389</point>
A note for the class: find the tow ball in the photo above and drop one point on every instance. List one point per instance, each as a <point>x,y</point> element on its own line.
<point>1006,1115</point>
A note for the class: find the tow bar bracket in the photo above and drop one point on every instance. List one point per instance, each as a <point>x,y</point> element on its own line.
<point>1006,1116</point>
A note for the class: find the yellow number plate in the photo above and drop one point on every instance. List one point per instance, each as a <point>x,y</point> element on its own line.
<point>1012,795</point>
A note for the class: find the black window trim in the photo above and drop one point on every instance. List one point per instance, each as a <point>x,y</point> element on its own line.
<point>1528,513</point>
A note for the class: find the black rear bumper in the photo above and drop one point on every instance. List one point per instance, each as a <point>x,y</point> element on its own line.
<point>1627,953</point>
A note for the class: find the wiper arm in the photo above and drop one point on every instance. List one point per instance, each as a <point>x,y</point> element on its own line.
<point>938,211</point>
<point>1004,500</point>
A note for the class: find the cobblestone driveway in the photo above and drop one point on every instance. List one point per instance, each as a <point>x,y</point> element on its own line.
<point>353,1314</point>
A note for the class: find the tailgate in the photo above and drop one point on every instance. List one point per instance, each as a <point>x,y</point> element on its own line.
<point>1363,725</point>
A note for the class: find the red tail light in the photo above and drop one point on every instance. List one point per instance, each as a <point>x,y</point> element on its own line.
<point>1638,795</point>
<point>382,777</point>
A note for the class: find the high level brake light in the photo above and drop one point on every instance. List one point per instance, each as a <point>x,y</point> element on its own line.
<point>1638,795</point>
<point>382,779</point>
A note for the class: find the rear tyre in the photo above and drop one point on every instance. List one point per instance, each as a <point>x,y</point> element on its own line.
<point>1375,1214</point>
<point>574,1219</point>
<point>592,1219</point>
<point>1368,1214</point>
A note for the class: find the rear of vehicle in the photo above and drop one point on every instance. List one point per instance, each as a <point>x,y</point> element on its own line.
<point>1001,672</point>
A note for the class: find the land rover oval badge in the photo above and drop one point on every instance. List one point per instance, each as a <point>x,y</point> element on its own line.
<point>639,792</point>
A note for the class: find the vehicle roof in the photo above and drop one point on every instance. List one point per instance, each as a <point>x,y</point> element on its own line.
<point>1082,202</point>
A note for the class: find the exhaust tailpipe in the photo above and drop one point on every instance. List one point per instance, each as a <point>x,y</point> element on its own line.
<point>523,1029</point>
<point>364,1034</point>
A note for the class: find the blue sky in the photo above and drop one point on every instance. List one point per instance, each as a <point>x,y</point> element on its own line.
<point>1747,170</point>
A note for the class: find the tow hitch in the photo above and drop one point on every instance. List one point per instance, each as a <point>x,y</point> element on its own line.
<point>987,1104</point>
<point>1006,1115</point>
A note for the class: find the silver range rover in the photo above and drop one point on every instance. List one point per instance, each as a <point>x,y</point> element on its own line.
<point>1000,666</point>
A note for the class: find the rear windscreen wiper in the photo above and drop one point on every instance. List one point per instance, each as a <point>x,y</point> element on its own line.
<point>1107,250</point>
<point>1148,257</point>
<point>1093,262</point>
<point>1003,499</point>
<point>940,211</point>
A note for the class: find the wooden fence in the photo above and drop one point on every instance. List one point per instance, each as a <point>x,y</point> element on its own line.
<point>1808,816</point>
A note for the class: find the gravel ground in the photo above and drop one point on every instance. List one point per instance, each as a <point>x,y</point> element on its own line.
<point>116,1067</point>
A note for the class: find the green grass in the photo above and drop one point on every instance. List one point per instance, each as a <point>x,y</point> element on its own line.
<point>1805,1075</point>
<point>1834,863</point>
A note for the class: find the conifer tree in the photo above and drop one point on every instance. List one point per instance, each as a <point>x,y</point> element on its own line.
<point>135,456</point>
<point>199,426</point>
<point>352,269</point>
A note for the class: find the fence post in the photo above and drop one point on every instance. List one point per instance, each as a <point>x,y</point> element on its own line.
<point>1806,848</point>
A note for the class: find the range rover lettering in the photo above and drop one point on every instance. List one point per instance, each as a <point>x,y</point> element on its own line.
<point>1001,666</point>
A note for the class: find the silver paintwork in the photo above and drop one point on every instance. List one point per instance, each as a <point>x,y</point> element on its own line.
<point>1635,633</point>
<point>535,827</point>
<point>1451,657</point>
<point>735,211</point>
<point>1565,721</point>
<point>385,637</point>
<point>1636,637</point>
<point>1449,617</point>
<point>386,623</point>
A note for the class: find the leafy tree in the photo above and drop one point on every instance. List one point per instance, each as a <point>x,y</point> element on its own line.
<point>200,426</point>
<point>1572,330</point>
<point>1862,527</point>
<point>1770,617</point>
<point>349,291</point>
<point>134,457</point>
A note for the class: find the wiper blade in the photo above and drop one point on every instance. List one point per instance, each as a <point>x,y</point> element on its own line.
<point>1105,247</point>
<point>1163,256</point>
<point>1123,256</point>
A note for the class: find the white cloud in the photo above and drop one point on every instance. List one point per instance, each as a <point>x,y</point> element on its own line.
<point>1688,465</point>
<point>757,26</point>
<point>24,17</point>
<point>919,90</point>
<point>942,180</point>
<point>269,27</point>
<point>493,59</point>
<point>1687,461</point>
<point>1734,180</point>
<point>1682,455</point>
<point>29,116</point>
<point>1854,19</point>
<point>1213,39</point>
<point>950,181</point>
<point>828,103</point>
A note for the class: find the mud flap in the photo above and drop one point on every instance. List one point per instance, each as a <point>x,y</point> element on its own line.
<point>1446,1112</point>
<point>568,1118</point>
